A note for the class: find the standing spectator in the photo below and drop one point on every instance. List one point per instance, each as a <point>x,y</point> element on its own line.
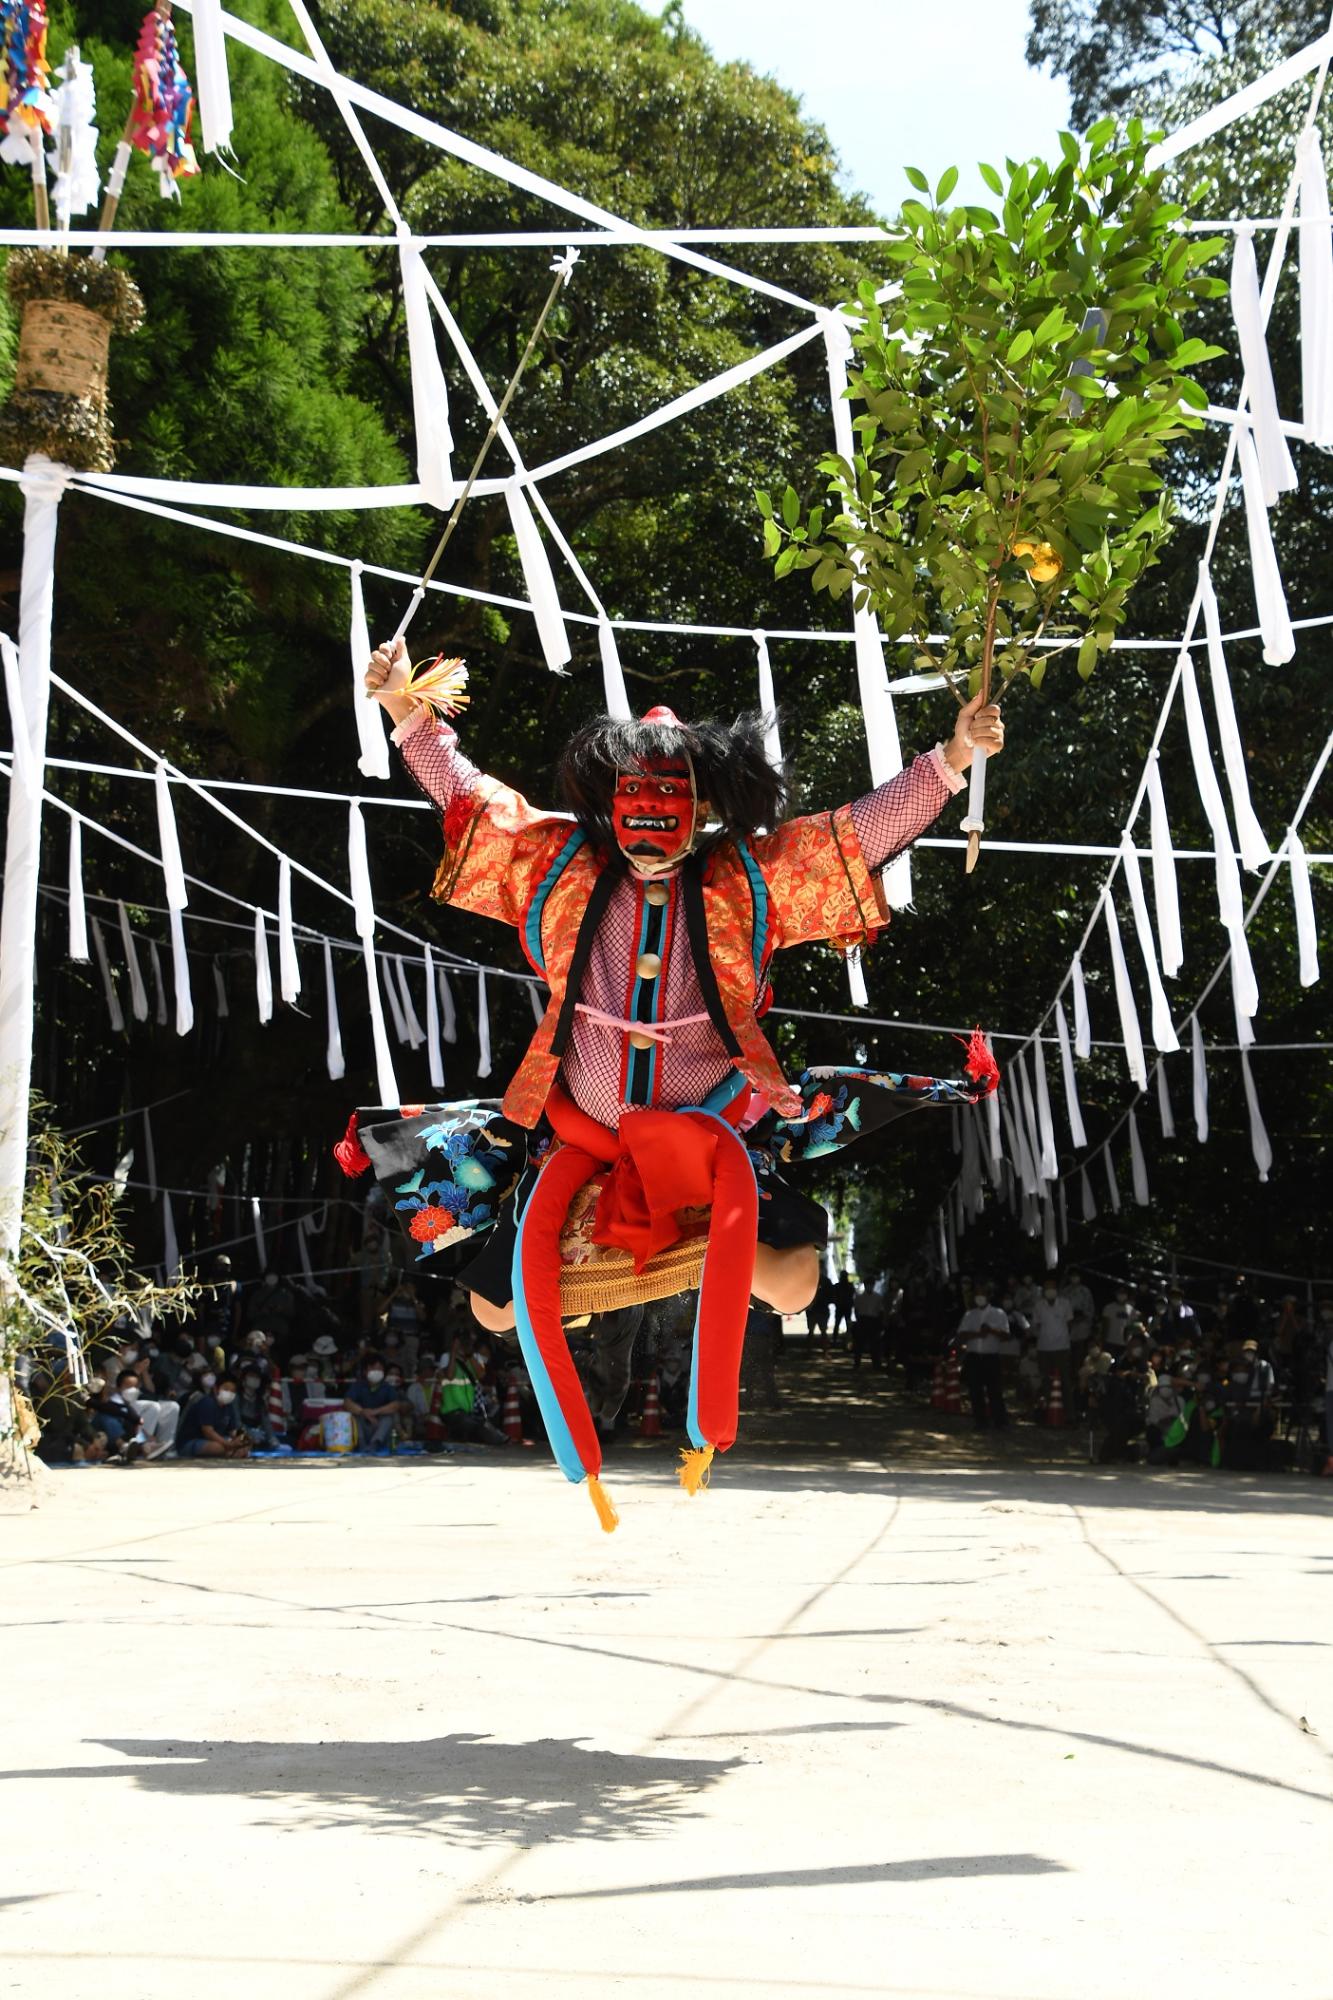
<point>1179,1324</point>
<point>1026,1294</point>
<point>840,1310</point>
<point>867,1328</point>
<point>211,1428</point>
<point>982,1329</point>
<point>1051,1318</point>
<point>1247,1399</point>
<point>820,1306</point>
<point>1083,1320</point>
<point>252,1411</point>
<point>1117,1315</point>
<point>378,1409</point>
<point>763,1336</point>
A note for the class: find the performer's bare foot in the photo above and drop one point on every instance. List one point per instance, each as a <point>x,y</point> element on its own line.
<point>788,1279</point>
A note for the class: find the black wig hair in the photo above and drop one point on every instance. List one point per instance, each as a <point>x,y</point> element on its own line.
<point>731,770</point>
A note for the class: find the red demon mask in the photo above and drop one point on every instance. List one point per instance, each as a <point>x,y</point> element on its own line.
<point>653,814</point>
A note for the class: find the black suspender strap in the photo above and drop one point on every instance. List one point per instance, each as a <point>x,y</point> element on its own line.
<point>578,964</point>
<point>696,928</point>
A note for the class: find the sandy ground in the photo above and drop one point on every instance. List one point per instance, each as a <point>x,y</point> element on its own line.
<point>418,1729</point>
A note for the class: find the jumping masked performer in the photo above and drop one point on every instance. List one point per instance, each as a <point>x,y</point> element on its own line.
<point>639,1149</point>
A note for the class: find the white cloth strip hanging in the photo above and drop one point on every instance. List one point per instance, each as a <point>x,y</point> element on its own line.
<point>1270,597</point>
<point>1229,901</point>
<point>373,752</point>
<point>1082,1027</point>
<point>391,994</point>
<point>434,1054</point>
<point>149,1157</point>
<point>613,676</point>
<point>1260,1145</point>
<point>78,915</point>
<point>210,75</point>
<point>856,978</point>
<point>448,1016</point>
<point>942,1245</point>
<point>1050,1246</point>
<point>1244,1029</point>
<point>1307,936</point>
<point>994,1147</point>
<point>1089,1205</point>
<point>538,1004</point>
<point>768,705</point>
<point>1138,1166</point>
<point>430,392</point>
<point>1164,1112</point>
<point>1163,1029</point>
<point>159,990</point>
<point>257,1224</point>
<point>483,1028</point>
<point>385,1080</point>
<point>1254,849</point>
<point>538,581</point>
<point>220,991</point>
<point>358,872</point>
<point>1277,472</point>
<point>1166,896</point>
<point>1199,1076</point>
<point>415,1032</point>
<point>969,1175</point>
<point>1063,1211</point>
<point>1316,292</point>
<point>1026,1114</point>
<point>263,970</point>
<point>173,874</point>
<point>1130,1032</point>
<point>289,966</point>
<point>180,974</point>
<point>138,994</point>
<point>1073,1109</point>
<point>1026,1167</point>
<point>333,1050</point>
<point>1050,1165</point>
<point>1112,1184</point>
<point>171,1256</point>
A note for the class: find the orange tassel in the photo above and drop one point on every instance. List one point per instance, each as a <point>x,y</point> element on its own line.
<point>438,685</point>
<point>693,1469</point>
<point>601,1500</point>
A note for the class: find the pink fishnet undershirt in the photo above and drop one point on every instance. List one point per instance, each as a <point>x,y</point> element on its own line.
<point>887,821</point>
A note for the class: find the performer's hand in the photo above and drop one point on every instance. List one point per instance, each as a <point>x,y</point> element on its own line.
<point>978,728</point>
<point>388,670</point>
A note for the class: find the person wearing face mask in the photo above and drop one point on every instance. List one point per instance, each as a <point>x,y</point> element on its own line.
<point>1051,1319</point>
<point>252,1411</point>
<point>147,1422</point>
<point>460,1398</point>
<point>1117,1315</point>
<point>378,1409</point>
<point>211,1427</point>
<point>983,1329</point>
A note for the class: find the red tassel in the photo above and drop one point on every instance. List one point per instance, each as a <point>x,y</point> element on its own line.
<point>350,1154</point>
<point>979,1065</point>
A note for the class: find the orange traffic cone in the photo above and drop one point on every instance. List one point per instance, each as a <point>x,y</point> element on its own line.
<point>1055,1405</point>
<point>1327,1472</point>
<point>512,1421</point>
<point>953,1386</point>
<point>937,1387</point>
<point>650,1425</point>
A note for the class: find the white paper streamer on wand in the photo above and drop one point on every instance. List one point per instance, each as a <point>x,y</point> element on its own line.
<point>1112,1184</point>
<point>1073,1109</point>
<point>220,991</point>
<point>1254,849</point>
<point>415,1032</point>
<point>1260,1145</point>
<point>856,978</point>
<point>1277,472</point>
<point>1316,292</point>
<point>1307,936</point>
<point>1165,894</point>
<point>1163,1029</point>
<point>448,1015</point>
<point>1082,1027</point>
<point>149,1158</point>
<point>1270,597</point>
<point>263,970</point>
<point>1050,1165</point>
<point>1199,1078</point>
<point>75,186</point>
<point>1130,1032</point>
<point>138,994</point>
<point>333,1050</point>
<point>373,756</point>
<point>1138,1166</point>
<point>483,1028</point>
<point>768,705</point>
<point>434,1055</point>
<point>257,1224</point>
<point>363,907</point>
<point>171,1256</point>
<point>289,968</point>
<point>78,915</point>
<point>538,1004</point>
<point>538,581</point>
<point>159,990</point>
<point>210,75</point>
<point>430,391</point>
<point>1089,1205</point>
<point>613,676</point>
<point>1164,1112</point>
